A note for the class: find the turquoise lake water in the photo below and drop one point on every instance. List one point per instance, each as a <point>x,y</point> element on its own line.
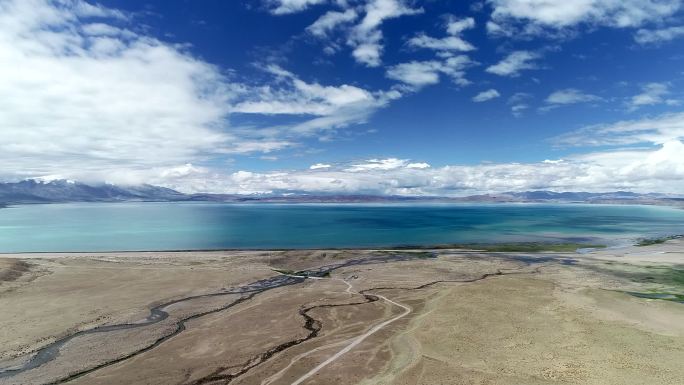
<point>199,226</point>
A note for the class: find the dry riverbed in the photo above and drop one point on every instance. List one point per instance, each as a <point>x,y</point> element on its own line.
<point>344,317</point>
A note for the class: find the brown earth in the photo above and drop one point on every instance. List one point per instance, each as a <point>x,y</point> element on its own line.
<point>490,319</point>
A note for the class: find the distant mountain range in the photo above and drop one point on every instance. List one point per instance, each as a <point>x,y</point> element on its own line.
<point>62,191</point>
<point>58,191</point>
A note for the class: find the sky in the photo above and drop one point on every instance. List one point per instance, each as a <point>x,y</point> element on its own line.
<point>399,97</point>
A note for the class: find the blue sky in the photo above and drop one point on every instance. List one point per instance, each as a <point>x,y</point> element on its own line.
<point>346,96</point>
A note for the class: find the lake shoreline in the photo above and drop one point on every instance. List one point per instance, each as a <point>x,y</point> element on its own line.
<point>200,226</point>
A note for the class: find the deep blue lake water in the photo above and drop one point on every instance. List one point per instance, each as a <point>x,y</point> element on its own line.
<point>198,226</point>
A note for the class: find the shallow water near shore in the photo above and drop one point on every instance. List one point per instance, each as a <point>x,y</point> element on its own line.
<point>200,226</point>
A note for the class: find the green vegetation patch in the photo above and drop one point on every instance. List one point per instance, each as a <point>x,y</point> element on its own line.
<point>525,247</point>
<point>662,275</point>
<point>654,276</point>
<point>423,255</point>
<point>660,296</point>
<point>658,282</point>
<point>414,254</point>
<point>655,241</point>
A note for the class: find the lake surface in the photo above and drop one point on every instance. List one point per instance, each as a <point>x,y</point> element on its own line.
<point>199,226</point>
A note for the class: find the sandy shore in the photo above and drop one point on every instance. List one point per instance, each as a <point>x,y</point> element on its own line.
<point>457,317</point>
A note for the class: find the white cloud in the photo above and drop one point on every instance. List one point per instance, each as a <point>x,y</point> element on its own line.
<point>519,97</point>
<point>455,26</point>
<point>331,20</point>
<point>655,36</point>
<point>656,166</point>
<point>302,98</point>
<point>89,100</point>
<point>284,7</point>
<point>366,37</point>
<point>549,17</point>
<point>515,62</point>
<point>324,108</point>
<point>519,103</point>
<point>422,73</point>
<point>416,73</point>
<point>518,109</point>
<point>453,42</point>
<point>570,96</point>
<point>450,43</point>
<point>486,95</point>
<point>419,165</point>
<point>379,164</point>
<point>651,94</point>
<point>656,169</point>
<point>319,166</point>
<point>97,101</point>
<point>88,96</point>
<point>497,30</point>
<point>658,130</point>
<point>102,29</point>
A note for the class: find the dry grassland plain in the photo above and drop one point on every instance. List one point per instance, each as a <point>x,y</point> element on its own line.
<point>344,317</point>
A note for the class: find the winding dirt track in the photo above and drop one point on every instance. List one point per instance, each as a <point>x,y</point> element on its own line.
<point>357,340</point>
<point>407,310</point>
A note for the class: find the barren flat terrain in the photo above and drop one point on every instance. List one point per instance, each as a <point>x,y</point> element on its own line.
<point>613,316</point>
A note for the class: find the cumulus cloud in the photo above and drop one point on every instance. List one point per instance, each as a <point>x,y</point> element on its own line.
<point>361,24</point>
<point>284,7</point>
<point>323,108</point>
<point>379,164</point>
<point>515,62</point>
<point>319,166</point>
<point>366,37</point>
<point>83,95</point>
<point>88,97</point>
<point>660,168</point>
<point>651,94</point>
<point>658,130</point>
<point>331,20</point>
<point>656,36</point>
<point>419,165</point>
<point>519,97</point>
<point>518,109</point>
<point>486,95</point>
<point>301,98</point>
<point>418,74</point>
<point>548,17</point>
<point>519,103</point>
<point>657,165</point>
<point>448,44</point>
<point>568,96</point>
